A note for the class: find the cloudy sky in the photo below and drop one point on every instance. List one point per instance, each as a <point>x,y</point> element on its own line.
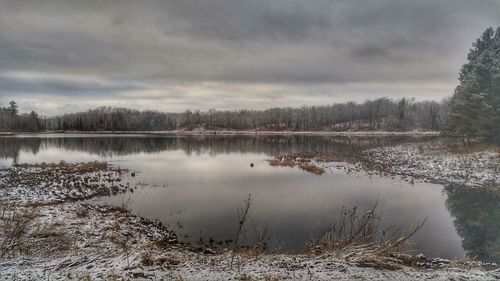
<point>229,54</point>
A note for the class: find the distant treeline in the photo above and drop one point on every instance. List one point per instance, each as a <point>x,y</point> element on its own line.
<point>472,111</point>
<point>379,114</point>
<point>11,120</point>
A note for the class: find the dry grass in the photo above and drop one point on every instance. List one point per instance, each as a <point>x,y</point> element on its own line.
<point>51,239</point>
<point>20,235</point>
<point>243,215</point>
<point>284,162</point>
<point>312,168</point>
<point>292,160</point>
<point>379,262</point>
<point>358,238</point>
<point>13,228</point>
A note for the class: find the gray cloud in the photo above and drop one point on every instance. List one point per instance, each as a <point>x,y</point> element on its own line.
<point>233,53</point>
<point>25,83</point>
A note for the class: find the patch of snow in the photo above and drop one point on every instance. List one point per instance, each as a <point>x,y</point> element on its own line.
<point>433,164</point>
<point>75,241</point>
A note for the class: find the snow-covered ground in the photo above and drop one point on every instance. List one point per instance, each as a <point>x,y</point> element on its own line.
<point>434,163</point>
<point>46,235</point>
<point>428,161</point>
<point>82,242</point>
<point>35,185</point>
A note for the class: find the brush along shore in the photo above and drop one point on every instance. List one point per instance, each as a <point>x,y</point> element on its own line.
<point>292,160</point>
<point>49,236</point>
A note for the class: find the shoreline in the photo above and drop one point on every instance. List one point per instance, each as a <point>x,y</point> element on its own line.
<point>435,163</point>
<point>233,132</point>
<point>113,243</point>
<point>130,247</point>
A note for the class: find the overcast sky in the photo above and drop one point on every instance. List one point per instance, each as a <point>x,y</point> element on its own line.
<point>229,54</point>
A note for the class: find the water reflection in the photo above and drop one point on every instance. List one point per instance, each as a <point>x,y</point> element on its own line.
<point>10,147</point>
<point>476,213</point>
<point>113,145</point>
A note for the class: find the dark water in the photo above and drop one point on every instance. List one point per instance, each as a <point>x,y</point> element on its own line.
<point>195,185</point>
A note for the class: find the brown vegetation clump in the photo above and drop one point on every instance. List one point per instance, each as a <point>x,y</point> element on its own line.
<point>303,160</point>
<point>357,238</point>
<point>380,262</point>
<point>312,168</point>
<point>13,229</point>
<point>288,162</point>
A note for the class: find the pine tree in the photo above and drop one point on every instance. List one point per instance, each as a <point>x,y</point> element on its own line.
<point>474,107</point>
<point>495,85</point>
<point>470,115</point>
<point>13,108</point>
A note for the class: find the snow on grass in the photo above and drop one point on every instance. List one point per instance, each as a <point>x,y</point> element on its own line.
<point>434,163</point>
<point>73,241</point>
<point>55,183</point>
<point>69,236</point>
<point>95,255</point>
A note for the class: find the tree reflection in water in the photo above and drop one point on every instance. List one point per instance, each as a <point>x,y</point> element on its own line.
<point>113,145</point>
<point>476,213</point>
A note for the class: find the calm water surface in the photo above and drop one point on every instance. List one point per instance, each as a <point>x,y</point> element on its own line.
<point>195,185</point>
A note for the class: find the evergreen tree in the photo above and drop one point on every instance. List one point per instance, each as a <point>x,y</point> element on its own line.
<point>470,114</point>
<point>495,84</point>
<point>475,105</point>
<point>13,108</point>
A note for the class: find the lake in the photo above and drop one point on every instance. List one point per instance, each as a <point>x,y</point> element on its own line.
<point>195,185</point>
